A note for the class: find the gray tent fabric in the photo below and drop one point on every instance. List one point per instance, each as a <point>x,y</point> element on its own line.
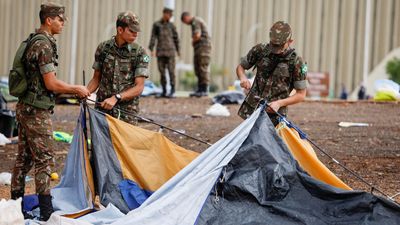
<point>72,194</point>
<point>263,184</point>
<point>106,164</point>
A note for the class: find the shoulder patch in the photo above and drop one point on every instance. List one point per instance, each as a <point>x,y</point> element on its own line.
<point>304,68</point>
<point>146,58</point>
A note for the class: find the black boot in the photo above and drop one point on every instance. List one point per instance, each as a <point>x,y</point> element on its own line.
<point>46,207</point>
<point>164,92</point>
<point>204,90</point>
<point>16,195</point>
<point>172,91</point>
<point>196,93</point>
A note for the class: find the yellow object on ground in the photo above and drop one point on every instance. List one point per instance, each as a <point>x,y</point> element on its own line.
<point>385,96</point>
<point>306,157</point>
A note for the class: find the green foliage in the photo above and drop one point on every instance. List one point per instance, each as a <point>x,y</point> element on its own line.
<point>188,81</point>
<point>393,69</point>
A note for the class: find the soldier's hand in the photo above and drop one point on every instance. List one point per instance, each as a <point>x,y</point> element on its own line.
<point>273,107</point>
<point>82,91</point>
<point>245,83</point>
<point>153,53</point>
<point>109,103</point>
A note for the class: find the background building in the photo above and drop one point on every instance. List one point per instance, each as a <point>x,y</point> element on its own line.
<point>329,34</point>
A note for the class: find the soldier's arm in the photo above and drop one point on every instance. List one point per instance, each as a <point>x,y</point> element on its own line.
<point>95,81</point>
<point>43,52</point>
<point>246,63</point>
<point>176,39</point>
<point>153,38</point>
<point>58,86</point>
<point>135,91</point>
<point>97,65</point>
<point>196,31</point>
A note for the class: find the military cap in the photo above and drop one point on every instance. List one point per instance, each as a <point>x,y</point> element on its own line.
<point>50,9</point>
<point>167,10</point>
<point>130,19</point>
<point>279,34</point>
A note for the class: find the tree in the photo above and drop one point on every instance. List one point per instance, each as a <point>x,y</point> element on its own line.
<point>393,69</point>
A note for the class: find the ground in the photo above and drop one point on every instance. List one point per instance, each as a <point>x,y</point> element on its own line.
<point>373,152</point>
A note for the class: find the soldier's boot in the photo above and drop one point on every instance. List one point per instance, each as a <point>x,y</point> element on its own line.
<point>45,206</point>
<point>163,93</point>
<point>16,195</point>
<point>196,93</point>
<point>203,91</point>
<point>172,92</point>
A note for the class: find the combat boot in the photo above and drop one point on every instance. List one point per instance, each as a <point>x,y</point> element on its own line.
<point>46,207</point>
<point>203,91</point>
<point>163,93</point>
<point>196,93</point>
<point>172,92</point>
<point>16,195</point>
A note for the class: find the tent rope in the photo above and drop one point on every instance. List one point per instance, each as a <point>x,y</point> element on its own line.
<point>155,123</point>
<point>303,135</point>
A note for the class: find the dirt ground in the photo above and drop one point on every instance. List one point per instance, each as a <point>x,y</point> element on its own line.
<point>373,151</point>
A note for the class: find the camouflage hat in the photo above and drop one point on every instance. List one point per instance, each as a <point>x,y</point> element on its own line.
<point>279,34</point>
<point>167,10</point>
<point>50,9</point>
<point>130,19</point>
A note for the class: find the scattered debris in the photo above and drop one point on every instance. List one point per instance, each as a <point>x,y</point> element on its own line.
<point>351,124</point>
<point>197,115</point>
<point>218,110</point>
<point>5,178</point>
<point>229,97</point>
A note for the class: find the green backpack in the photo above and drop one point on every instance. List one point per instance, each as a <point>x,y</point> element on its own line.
<point>18,79</point>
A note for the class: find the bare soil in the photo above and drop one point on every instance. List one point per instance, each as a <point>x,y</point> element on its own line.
<point>373,151</point>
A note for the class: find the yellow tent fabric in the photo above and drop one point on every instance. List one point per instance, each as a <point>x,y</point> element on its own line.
<point>306,157</point>
<point>147,157</point>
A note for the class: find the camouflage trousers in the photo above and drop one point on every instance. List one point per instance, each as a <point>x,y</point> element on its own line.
<point>201,63</point>
<point>166,63</point>
<point>35,148</point>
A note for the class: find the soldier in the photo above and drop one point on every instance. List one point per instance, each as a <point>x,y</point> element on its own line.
<point>164,32</point>
<point>120,69</point>
<point>34,109</point>
<point>279,71</point>
<point>202,50</point>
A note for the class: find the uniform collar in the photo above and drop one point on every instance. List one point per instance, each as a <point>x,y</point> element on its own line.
<point>124,46</point>
<point>47,34</point>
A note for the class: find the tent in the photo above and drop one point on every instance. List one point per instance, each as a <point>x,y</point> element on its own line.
<point>248,177</point>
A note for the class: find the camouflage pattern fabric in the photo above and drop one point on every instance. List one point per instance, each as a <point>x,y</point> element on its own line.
<point>49,9</point>
<point>199,26</point>
<point>166,63</point>
<point>202,51</point>
<point>201,62</point>
<point>119,66</point>
<point>276,77</point>
<point>41,54</point>
<point>35,148</point>
<point>166,36</point>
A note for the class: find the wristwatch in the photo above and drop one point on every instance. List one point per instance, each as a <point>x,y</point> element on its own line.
<point>118,97</point>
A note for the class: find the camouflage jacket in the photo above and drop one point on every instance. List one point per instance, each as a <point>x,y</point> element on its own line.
<point>164,33</point>
<point>119,66</point>
<point>199,26</point>
<point>276,77</point>
<point>41,58</point>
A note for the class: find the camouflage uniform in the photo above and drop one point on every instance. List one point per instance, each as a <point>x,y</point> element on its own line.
<point>119,66</point>
<point>277,75</point>
<point>35,145</point>
<point>202,51</point>
<point>164,32</point>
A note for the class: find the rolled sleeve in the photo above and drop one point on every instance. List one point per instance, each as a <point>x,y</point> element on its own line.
<point>142,72</point>
<point>97,57</point>
<point>142,64</point>
<point>244,63</point>
<point>301,84</point>
<point>300,74</point>
<point>47,68</point>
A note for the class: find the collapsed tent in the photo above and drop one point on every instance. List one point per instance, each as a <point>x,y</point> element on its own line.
<point>248,177</point>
